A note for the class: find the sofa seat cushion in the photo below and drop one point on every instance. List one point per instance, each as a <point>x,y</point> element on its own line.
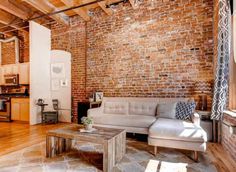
<point>127,120</point>
<point>174,129</point>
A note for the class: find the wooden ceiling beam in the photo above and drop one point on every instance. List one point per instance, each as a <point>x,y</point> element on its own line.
<point>80,11</point>
<point>108,11</point>
<point>10,22</point>
<point>7,19</point>
<point>6,29</point>
<point>13,9</point>
<point>45,8</point>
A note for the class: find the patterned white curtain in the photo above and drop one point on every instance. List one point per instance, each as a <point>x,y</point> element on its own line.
<point>222,67</point>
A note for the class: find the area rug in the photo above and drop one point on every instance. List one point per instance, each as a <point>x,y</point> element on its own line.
<point>87,157</point>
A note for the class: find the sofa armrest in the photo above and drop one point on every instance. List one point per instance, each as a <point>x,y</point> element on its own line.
<point>94,112</point>
<point>195,118</point>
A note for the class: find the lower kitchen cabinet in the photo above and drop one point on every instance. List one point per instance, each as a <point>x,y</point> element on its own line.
<point>20,109</point>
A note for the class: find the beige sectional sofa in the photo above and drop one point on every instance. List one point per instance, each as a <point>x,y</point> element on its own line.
<point>140,115</point>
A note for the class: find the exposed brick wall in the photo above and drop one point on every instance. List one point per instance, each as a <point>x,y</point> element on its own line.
<point>8,53</point>
<point>228,140</point>
<point>215,30</point>
<point>8,49</point>
<point>73,40</point>
<point>24,46</point>
<point>154,51</point>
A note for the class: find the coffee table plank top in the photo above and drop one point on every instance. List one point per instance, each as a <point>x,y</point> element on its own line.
<point>72,132</point>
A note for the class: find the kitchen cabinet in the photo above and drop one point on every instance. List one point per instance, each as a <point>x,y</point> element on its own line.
<point>10,69</point>
<point>15,110</point>
<point>20,109</point>
<point>15,69</point>
<point>24,73</point>
<point>7,69</point>
<point>22,69</point>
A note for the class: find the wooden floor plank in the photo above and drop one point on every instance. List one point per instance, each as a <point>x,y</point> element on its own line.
<point>15,136</point>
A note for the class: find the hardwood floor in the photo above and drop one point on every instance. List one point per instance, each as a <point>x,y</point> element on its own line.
<point>221,159</point>
<point>15,136</point>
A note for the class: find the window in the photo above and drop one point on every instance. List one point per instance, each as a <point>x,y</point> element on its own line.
<point>232,74</point>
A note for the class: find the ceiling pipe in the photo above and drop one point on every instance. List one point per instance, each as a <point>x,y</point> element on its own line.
<point>64,10</point>
<point>67,9</point>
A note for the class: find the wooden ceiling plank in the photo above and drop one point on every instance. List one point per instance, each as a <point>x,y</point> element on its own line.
<point>6,18</point>
<point>108,11</point>
<point>80,11</point>
<point>45,8</point>
<point>13,9</point>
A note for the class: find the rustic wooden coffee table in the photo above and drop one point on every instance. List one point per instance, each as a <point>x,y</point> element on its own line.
<point>113,141</point>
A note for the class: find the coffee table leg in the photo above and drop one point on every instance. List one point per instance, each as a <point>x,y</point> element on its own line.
<point>120,146</point>
<point>68,143</point>
<point>108,155</point>
<point>55,146</point>
<point>123,144</point>
<point>48,147</point>
<point>61,145</point>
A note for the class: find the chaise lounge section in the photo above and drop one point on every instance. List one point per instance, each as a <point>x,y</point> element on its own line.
<point>140,115</point>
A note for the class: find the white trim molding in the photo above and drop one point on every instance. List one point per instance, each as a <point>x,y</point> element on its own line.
<point>17,48</point>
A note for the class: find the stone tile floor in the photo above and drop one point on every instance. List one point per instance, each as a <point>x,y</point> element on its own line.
<point>87,157</point>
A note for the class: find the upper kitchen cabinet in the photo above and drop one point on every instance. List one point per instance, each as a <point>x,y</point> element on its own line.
<point>24,73</point>
<point>10,69</point>
<point>22,69</point>
<point>7,70</point>
<point>15,69</point>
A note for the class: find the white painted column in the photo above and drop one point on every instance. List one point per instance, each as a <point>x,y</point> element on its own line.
<point>40,52</point>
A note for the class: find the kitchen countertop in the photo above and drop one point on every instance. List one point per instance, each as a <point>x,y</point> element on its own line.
<point>14,95</point>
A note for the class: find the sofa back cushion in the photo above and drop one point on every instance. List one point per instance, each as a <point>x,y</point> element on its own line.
<point>127,105</point>
<point>166,110</point>
<point>113,107</point>
<point>142,108</point>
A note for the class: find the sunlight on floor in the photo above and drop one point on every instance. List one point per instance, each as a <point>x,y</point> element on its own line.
<point>164,166</point>
<point>152,166</point>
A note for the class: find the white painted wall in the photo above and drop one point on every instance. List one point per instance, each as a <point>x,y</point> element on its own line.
<point>63,94</point>
<point>40,53</point>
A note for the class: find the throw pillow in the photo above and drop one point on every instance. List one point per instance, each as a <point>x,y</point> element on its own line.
<point>166,110</point>
<point>184,110</point>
